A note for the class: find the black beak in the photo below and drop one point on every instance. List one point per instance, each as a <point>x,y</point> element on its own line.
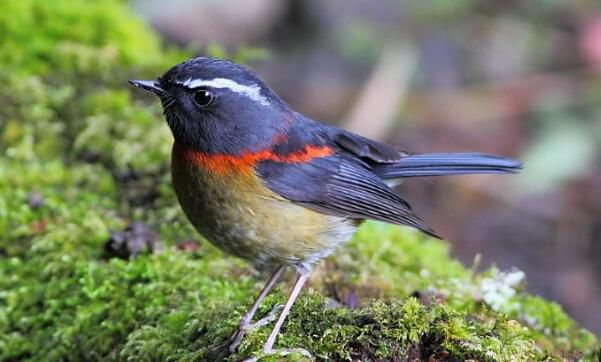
<point>149,85</point>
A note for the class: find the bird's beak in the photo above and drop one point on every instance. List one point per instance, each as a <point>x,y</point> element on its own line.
<point>149,85</point>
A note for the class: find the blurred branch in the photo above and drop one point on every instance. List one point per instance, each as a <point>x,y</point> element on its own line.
<point>384,91</point>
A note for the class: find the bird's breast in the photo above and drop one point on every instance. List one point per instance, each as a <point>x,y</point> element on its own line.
<point>230,206</point>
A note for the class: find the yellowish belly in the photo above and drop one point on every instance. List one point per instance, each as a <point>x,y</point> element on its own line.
<point>241,216</point>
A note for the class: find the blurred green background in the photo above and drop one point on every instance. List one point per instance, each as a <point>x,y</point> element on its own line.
<point>517,78</point>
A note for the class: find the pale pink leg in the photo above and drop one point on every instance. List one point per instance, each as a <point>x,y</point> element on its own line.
<point>245,325</point>
<point>298,286</point>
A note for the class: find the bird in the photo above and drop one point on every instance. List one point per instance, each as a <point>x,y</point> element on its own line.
<point>269,185</point>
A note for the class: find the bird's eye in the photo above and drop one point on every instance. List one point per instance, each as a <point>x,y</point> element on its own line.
<point>203,97</point>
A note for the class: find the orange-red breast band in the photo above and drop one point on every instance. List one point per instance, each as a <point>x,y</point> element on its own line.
<point>222,164</point>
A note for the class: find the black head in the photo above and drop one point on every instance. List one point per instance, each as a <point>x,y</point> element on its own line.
<point>216,106</point>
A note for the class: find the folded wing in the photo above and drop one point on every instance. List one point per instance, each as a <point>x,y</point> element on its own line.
<point>342,186</point>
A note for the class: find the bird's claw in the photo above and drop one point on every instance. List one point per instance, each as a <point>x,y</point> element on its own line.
<point>270,317</point>
<point>236,338</point>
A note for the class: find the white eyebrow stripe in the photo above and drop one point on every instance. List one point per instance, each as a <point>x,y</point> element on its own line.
<point>251,91</point>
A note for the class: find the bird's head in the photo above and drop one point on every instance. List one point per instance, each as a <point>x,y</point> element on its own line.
<point>216,106</point>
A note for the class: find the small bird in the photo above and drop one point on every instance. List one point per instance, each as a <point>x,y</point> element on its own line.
<point>269,185</point>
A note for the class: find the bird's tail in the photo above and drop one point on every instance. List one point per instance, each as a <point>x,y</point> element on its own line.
<point>442,164</point>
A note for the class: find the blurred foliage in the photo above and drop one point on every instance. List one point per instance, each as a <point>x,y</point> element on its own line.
<point>99,37</point>
<point>565,146</point>
<point>562,141</point>
<point>82,158</point>
<point>65,66</point>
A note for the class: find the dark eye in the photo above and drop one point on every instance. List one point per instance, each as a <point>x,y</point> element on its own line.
<point>203,97</point>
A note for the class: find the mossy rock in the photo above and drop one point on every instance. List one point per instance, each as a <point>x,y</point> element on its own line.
<point>63,300</point>
<point>82,158</point>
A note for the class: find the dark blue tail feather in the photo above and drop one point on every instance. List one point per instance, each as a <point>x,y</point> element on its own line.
<point>442,164</point>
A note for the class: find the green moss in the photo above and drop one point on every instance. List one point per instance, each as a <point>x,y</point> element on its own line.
<point>59,36</point>
<point>61,299</point>
<point>83,157</point>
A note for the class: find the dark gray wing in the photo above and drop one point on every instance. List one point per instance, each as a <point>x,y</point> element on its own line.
<point>367,149</point>
<point>339,185</point>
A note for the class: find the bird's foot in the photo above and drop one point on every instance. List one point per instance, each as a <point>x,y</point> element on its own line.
<point>280,352</point>
<point>246,326</point>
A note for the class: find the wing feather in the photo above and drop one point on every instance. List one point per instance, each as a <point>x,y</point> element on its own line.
<point>339,185</point>
<point>367,149</point>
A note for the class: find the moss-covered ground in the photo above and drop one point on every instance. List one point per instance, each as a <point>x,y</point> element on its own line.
<point>82,158</point>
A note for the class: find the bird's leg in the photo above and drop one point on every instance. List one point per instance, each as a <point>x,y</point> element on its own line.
<point>298,286</point>
<point>245,324</point>
<point>268,346</point>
